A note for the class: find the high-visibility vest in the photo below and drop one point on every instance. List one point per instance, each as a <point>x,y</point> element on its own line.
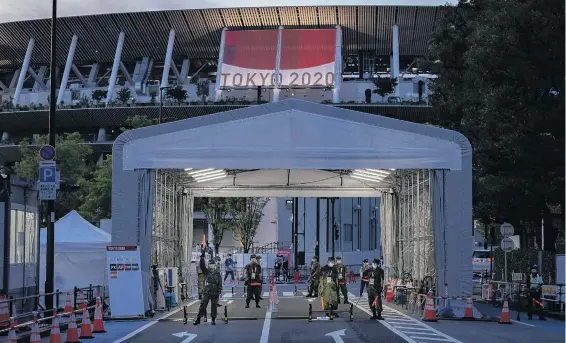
<point>536,282</point>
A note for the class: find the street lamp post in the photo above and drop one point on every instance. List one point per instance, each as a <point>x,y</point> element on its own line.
<point>161,89</point>
<point>333,232</point>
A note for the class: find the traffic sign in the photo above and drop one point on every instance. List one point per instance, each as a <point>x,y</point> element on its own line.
<point>47,172</point>
<point>47,191</point>
<point>47,152</point>
<point>507,244</point>
<point>507,230</point>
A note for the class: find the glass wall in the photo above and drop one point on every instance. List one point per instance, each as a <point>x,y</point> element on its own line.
<point>24,235</point>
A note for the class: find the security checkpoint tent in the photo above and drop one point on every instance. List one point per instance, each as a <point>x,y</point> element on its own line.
<point>80,253</point>
<point>297,148</point>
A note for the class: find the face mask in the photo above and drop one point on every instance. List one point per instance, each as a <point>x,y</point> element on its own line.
<point>533,271</point>
<point>313,261</point>
<point>374,265</point>
<point>330,264</point>
<point>253,260</point>
<point>338,261</point>
<point>365,263</point>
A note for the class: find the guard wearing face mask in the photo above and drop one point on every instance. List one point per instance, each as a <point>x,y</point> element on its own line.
<point>253,281</point>
<point>212,290</point>
<point>535,291</point>
<point>375,276</point>
<point>341,280</point>
<point>328,289</point>
<point>314,278</point>
<point>363,280</point>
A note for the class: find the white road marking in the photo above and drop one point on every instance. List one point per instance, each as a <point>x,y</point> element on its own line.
<point>305,294</point>
<point>227,295</point>
<point>266,325</point>
<point>515,321</point>
<point>148,325</point>
<point>402,329</point>
<point>288,294</point>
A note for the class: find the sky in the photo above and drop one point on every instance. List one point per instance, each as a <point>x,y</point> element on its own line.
<point>18,10</point>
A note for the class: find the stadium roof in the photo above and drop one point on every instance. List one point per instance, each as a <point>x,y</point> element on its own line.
<point>365,28</point>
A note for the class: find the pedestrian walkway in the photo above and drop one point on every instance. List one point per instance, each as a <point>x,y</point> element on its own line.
<point>281,294</point>
<point>412,330</point>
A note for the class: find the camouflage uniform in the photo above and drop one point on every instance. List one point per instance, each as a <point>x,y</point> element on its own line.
<point>328,287</point>
<point>314,278</point>
<point>201,280</point>
<point>375,278</point>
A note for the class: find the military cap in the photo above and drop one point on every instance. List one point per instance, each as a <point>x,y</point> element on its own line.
<point>253,256</point>
<point>315,258</point>
<point>258,257</point>
<point>338,257</point>
<point>366,260</point>
<point>331,258</point>
<point>376,261</point>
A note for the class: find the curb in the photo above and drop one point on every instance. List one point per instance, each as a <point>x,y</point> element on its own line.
<point>553,315</point>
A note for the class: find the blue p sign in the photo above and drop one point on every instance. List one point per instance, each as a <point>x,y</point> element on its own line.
<point>47,174</point>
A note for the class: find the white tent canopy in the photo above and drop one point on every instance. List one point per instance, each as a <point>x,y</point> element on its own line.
<point>296,148</point>
<point>80,253</point>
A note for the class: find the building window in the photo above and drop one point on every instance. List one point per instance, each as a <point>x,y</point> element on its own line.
<point>348,232</point>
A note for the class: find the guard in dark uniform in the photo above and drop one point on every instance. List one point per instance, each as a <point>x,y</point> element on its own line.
<point>212,290</point>
<point>341,280</point>
<point>253,281</point>
<point>375,276</point>
<point>363,281</point>
<point>314,278</point>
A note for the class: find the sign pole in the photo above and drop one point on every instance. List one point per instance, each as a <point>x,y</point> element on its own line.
<point>505,278</point>
<point>50,253</point>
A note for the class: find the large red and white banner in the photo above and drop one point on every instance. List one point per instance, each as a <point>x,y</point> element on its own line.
<point>249,58</point>
<point>308,58</point>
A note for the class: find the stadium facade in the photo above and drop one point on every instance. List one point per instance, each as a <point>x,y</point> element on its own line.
<point>101,58</point>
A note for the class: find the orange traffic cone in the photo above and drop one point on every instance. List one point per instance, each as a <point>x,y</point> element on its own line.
<point>98,321</point>
<point>55,335</point>
<point>429,314</point>
<point>86,328</point>
<point>389,294</point>
<point>72,331</point>
<point>4,313</point>
<point>505,316</point>
<point>68,305</point>
<point>35,335</point>
<point>469,312</point>
<point>12,338</point>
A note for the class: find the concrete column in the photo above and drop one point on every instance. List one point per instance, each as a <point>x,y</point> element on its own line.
<point>67,70</point>
<point>22,76</point>
<point>277,87</point>
<point>395,58</point>
<point>101,137</point>
<point>93,74</point>
<point>217,91</point>
<point>168,57</point>
<point>337,67</point>
<point>115,67</point>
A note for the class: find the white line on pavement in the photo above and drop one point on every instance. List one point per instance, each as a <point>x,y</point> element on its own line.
<point>266,325</point>
<point>531,325</point>
<point>148,325</point>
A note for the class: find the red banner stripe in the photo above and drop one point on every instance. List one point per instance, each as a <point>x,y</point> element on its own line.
<point>307,48</point>
<point>254,49</point>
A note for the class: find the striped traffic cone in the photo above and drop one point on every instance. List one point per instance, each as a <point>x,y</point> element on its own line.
<point>505,316</point>
<point>55,335</point>
<point>469,312</point>
<point>72,331</point>
<point>35,335</point>
<point>429,314</point>
<point>68,306</point>
<point>389,294</point>
<point>98,321</point>
<point>12,338</point>
<point>86,328</point>
<point>81,301</point>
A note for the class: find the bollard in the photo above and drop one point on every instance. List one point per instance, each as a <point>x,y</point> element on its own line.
<point>89,296</point>
<point>295,293</point>
<point>75,291</point>
<point>351,312</point>
<point>185,314</point>
<point>226,314</point>
<point>232,290</point>
<point>57,298</point>
<point>310,313</point>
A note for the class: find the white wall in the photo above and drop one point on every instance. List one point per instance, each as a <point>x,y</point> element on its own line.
<point>267,230</point>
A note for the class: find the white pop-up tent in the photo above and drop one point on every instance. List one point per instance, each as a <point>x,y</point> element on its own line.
<point>80,253</point>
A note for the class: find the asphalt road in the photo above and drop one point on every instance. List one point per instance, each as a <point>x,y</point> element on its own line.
<point>261,325</point>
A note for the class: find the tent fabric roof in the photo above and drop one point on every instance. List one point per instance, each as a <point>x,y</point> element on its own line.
<point>73,229</point>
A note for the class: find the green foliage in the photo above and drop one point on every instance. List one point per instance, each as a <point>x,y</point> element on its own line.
<point>124,95</point>
<point>521,261</point>
<point>246,217</point>
<point>501,83</point>
<point>384,86</point>
<point>216,211</point>
<point>97,203</point>
<point>99,94</point>
<point>136,122</point>
<point>71,162</point>
<point>203,89</point>
<point>178,93</point>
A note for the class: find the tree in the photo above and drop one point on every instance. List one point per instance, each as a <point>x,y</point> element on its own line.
<point>178,93</point>
<point>203,90</point>
<point>124,95</point>
<point>97,204</point>
<point>384,86</point>
<point>71,162</point>
<point>98,95</point>
<point>246,217</point>
<point>136,122</point>
<point>501,83</point>
<point>216,211</point>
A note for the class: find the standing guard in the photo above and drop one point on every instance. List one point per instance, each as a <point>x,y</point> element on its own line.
<point>212,289</point>
<point>375,276</point>
<point>201,275</point>
<point>328,289</point>
<point>363,280</point>
<point>314,278</point>
<point>535,294</point>
<point>341,274</point>
<point>253,281</point>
